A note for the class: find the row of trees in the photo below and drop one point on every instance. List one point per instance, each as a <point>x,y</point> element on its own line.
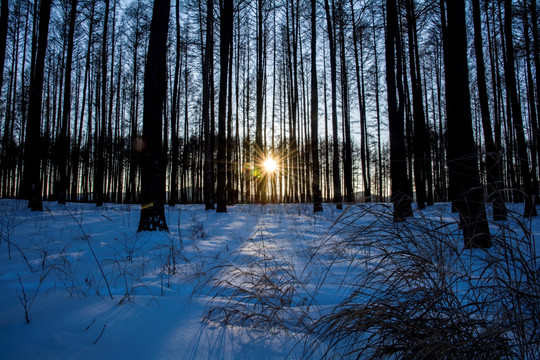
<point>316,85</point>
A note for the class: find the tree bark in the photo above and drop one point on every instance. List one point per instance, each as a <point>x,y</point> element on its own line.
<point>347,150</point>
<point>420,132</point>
<point>398,165</point>
<point>316,190</point>
<point>330,21</point>
<point>208,131</point>
<point>361,97</point>
<point>173,191</point>
<point>226,34</point>
<point>493,158</point>
<point>153,159</point>
<point>462,153</point>
<point>64,140</point>
<point>4,17</point>
<point>517,119</point>
<point>32,153</point>
<point>100,166</point>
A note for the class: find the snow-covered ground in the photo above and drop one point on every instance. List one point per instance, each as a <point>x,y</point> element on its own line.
<point>241,285</point>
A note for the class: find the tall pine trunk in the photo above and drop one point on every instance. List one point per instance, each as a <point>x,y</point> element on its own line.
<point>32,153</point>
<point>4,16</point>
<point>493,158</point>
<point>398,164</point>
<point>462,152</point>
<point>317,199</point>
<point>99,175</point>
<point>173,193</point>
<point>420,132</point>
<point>517,119</point>
<point>330,21</point>
<point>152,156</point>
<point>226,34</point>
<point>64,139</point>
<point>208,182</point>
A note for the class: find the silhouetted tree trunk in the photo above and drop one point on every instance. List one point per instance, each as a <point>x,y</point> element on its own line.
<point>378,110</point>
<point>357,38</point>
<point>420,133</point>
<point>153,159</point>
<point>226,34</point>
<point>535,135</point>
<point>398,164</point>
<point>232,169</point>
<point>4,16</point>
<point>536,57</point>
<point>64,140</point>
<point>185,156</point>
<point>208,130</point>
<point>317,199</point>
<point>462,152</point>
<point>493,158</point>
<point>517,119</point>
<point>99,176</point>
<point>347,149</point>
<point>260,190</point>
<point>32,153</point>
<point>330,21</point>
<point>173,193</point>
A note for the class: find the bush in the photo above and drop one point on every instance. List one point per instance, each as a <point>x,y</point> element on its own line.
<point>414,292</point>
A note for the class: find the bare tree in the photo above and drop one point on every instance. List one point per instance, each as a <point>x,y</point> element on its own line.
<point>493,156</point>
<point>153,158</point>
<point>206,113</point>
<point>4,16</point>
<point>517,119</point>
<point>32,154</point>
<point>225,45</point>
<point>398,165</point>
<point>316,189</point>
<point>64,140</point>
<point>462,152</point>
<point>330,21</point>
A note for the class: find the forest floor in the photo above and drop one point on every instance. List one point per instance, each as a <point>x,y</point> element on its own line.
<point>78,282</point>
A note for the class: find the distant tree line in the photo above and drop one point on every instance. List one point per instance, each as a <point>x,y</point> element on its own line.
<point>402,100</point>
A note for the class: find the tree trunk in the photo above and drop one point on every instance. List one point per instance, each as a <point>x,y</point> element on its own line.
<point>226,34</point>
<point>32,153</point>
<point>173,193</point>
<point>517,119</point>
<point>260,193</point>
<point>535,135</point>
<point>347,150</point>
<point>377,105</point>
<point>330,21</point>
<point>100,166</point>
<point>153,159</point>
<point>420,132</point>
<point>64,140</point>
<point>398,165</point>
<point>131,194</point>
<point>462,153</point>
<point>359,84</point>
<point>316,190</point>
<point>208,131</point>
<point>493,158</point>
<point>4,17</point>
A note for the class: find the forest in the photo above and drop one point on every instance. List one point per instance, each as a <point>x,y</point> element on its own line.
<point>350,101</point>
<point>269,179</point>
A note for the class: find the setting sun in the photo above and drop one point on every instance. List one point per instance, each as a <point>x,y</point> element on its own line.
<point>270,165</point>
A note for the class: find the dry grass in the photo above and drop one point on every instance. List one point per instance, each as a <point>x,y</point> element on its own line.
<point>418,294</point>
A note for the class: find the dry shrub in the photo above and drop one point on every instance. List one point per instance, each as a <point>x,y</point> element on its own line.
<point>418,294</point>
<point>258,289</point>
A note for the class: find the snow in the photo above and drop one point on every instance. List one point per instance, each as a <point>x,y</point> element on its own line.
<point>178,295</point>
